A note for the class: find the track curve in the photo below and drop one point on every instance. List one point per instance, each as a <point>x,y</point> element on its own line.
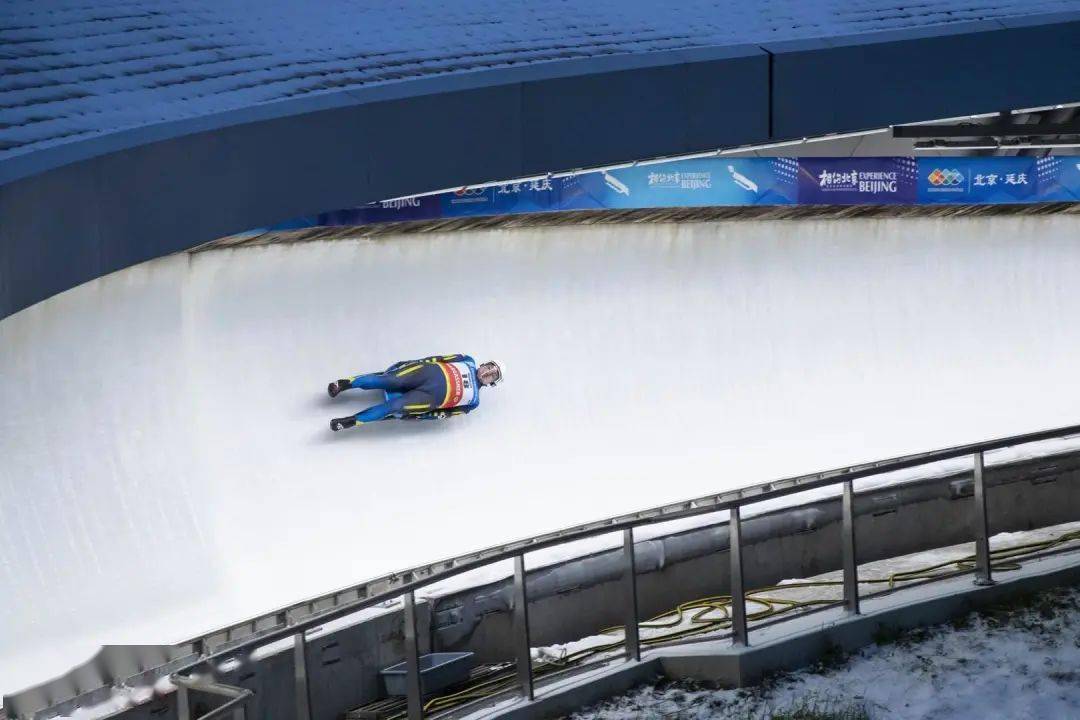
<point>167,465</point>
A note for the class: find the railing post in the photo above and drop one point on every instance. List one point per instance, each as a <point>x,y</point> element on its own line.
<point>739,633</point>
<point>414,687</point>
<point>633,639</point>
<point>980,527</point>
<point>300,677</point>
<point>183,703</point>
<point>522,644</point>
<point>233,705</point>
<point>851,562</point>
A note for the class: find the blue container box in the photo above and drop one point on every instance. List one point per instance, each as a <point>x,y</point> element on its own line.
<point>437,671</point>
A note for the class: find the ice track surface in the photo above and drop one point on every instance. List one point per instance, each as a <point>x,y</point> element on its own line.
<point>166,464</point>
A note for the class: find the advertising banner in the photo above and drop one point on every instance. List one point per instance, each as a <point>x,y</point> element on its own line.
<point>1058,178</point>
<point>977,180</point>
<point>719,181</point>
<point>857,181</point>
<point>428,207</point>
<point>688,183</point>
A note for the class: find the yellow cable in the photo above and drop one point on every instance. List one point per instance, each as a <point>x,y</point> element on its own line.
<point>694,613</point>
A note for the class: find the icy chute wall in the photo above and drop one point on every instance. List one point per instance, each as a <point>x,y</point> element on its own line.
<point>166,464</point>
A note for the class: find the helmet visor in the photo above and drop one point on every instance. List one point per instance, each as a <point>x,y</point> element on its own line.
<point>490,373</point>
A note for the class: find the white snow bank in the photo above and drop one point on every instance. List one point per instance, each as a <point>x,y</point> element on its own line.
<point>122,698</point>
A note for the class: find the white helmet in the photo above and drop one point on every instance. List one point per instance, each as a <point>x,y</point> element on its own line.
<point>491,370</point>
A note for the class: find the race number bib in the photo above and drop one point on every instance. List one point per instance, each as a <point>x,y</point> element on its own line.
<point>460,385</point>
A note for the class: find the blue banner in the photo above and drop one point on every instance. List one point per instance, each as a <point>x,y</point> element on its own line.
<point>1058,178</point>
<point>720,181</point>
<point>428,207</point>
<point>977,180</point>
<point>688,183</point>
<point>857,181</point>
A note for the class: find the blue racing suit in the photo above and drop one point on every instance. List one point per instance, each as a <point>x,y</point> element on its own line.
<point>433,387</point>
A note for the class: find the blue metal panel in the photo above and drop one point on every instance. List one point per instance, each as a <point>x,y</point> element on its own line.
<point>139,200</point>
<point>699,100</point>
<point>127,135</point>
<point>882,79</point>
<point>74,70</point>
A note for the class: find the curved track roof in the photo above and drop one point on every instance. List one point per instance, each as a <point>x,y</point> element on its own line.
<point>133,129</point>
<point>73,70</point>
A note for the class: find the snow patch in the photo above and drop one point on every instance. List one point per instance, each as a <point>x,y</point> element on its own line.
<point>122,698</point>
<point>1009,661</point>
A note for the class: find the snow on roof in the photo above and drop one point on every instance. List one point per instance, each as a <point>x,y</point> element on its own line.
<point>71,69</point>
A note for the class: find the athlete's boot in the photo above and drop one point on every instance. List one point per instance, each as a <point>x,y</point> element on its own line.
<point>342,423</point>
<point>336,387</point>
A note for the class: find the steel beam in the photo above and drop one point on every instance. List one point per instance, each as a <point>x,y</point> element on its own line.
<point>851,562</point>
<point>739,632</point>
<point>414,683</point>
<point>300,677</point>
<point>522,644</point>
<point>987,130</point>
<point>981,526</point>
<point>183,703</point>
<point>633,639</point>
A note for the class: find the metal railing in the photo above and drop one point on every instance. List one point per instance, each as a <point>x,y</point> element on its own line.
<point>404,585</point>
<point>236,697</point>
<point>409,582</point>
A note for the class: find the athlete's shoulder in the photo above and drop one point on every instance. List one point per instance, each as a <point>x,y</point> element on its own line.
<point>459,357</point>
